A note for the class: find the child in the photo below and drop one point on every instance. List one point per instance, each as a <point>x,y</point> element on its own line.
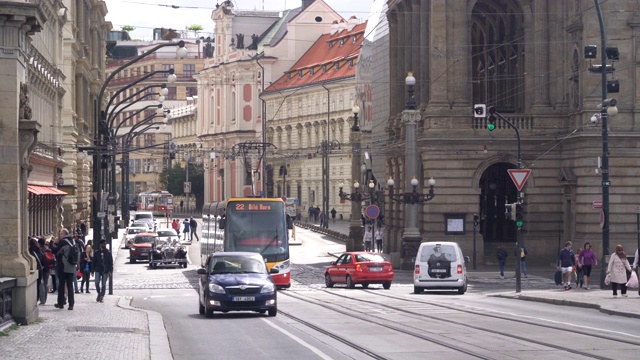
<point>577,269</point>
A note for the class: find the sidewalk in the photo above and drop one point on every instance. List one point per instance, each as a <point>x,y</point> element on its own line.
<point>539,285</point>
<point>109,330</point>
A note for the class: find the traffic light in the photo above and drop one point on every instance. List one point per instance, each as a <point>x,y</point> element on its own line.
<point>479,110</point>
<point>475,220</point>
<point>491,124</point>
<point>508,215</point>
<point>519,215</point>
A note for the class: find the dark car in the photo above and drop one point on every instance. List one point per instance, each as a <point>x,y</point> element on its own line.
<point>363,268</point>
<point>141,246</point>
<point>236,281</point>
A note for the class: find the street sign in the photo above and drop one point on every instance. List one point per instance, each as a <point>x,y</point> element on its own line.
<point>186,187</point>
<point>372,211</point>
<point>596,204</point>
<point>606,183</point>
<point>519,177</point>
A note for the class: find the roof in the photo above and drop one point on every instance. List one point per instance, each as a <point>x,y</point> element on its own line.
<point>331,57</point>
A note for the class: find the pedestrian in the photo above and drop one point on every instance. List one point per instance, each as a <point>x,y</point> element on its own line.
<point>181,205</point>
<point>193,224</point>
<point>333,214</point>
<point>49,264</point>
<point>322,218</point>
<point>522,255</point>
<point>83,230</point>
<point>577,269</point>
<point>176,226</point>
<point>378,238</point>
<point>501,254</point>
<point>79,244</point>
<point>102,267</point>
<point>316,214</point>
<point>565,263</point>
<point>617,271</point>
<point>368,238</point>
<point>185,230</point>
<point>66,268</point>
<point>85,266</point>
<point>635,265</point>
<point>36,252</point>
<point>588,258</point>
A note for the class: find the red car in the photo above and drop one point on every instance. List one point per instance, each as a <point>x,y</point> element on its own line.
<point>359,267</point>
<point>141,246</point>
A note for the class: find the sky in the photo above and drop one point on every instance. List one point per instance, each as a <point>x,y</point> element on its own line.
<point>145,15</point>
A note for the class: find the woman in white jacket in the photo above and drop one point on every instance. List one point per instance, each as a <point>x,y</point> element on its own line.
<point>617,271</point>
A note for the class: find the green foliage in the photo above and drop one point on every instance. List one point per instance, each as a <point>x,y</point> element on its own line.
<point>194,27</point>
<point>173,179</point>
<point>127,28</point>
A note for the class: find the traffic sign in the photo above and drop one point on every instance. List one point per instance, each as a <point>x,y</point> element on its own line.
<point>606,183</point>
<point>186,188</point>
<point>596,204</point>
<point>372,211</point>
<point>519,177</point>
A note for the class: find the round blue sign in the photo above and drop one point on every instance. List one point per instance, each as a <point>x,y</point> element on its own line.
<point>372,211</point>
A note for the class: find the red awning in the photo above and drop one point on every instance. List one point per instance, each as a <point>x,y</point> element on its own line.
<point>44,190</point>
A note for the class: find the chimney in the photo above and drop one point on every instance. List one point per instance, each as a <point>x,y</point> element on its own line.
<point>353,21</point>
<point>306,3</point>
<point>334,27</point>
<point>342,25</point>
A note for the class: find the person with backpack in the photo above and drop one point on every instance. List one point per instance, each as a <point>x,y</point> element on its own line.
<point>194,229</point>
<point>67,258</point>
<point>522,255</point>
<point>102,268</point>
<point>49,264</point>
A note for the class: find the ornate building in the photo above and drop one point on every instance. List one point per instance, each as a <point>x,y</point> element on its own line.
<point>526,59</point>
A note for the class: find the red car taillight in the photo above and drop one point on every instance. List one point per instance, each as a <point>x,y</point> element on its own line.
<point>417,272</point>
<point>459,269</point>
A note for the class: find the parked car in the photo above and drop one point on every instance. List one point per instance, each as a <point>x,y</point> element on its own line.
<point>130,233</point>
<point>440,265</point>
<point>141,246</point>
<point>236,281</point>
<point>359,267</point>
<point>166,252</point>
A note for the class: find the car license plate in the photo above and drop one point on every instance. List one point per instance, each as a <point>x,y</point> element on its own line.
<point>377,268</point>
<point>244,298</point>
<point>438,270</point>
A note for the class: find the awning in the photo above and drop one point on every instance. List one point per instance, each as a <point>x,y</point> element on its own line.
<point>44,190</point>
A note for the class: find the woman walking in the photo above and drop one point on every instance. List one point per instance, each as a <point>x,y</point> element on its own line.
<point>588,259</point>
<point>617,271</point>
<point>85,265</point>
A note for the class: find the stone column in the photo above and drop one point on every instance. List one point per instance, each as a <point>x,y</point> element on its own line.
<point>17,139</point>
<point>411,237</point>
<point>438,62</point>
<point>540,47</point>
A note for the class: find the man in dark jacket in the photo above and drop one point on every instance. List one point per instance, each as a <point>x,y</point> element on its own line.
<point>565,263</point>
<point>194,229</point>
<point>501,254</point>
<point>64,244</point>
<point>102,267</point>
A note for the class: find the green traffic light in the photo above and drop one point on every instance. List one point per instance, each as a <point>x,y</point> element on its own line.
<point>519,223</point>
<point>491,127</point>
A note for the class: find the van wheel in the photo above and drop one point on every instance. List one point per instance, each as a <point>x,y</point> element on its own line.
<point>417,290</point>
<point>463,289</point>
<point>386,285</point>
<point>327,280</point>
<point>273,312</point>
<point>350,283</point>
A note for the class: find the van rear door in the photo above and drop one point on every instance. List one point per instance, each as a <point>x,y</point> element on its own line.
<point>438,261</point>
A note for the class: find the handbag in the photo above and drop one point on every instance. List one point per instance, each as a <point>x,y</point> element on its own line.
<point>607,279</point>
<point>79,274</point>
<point>633,281</point>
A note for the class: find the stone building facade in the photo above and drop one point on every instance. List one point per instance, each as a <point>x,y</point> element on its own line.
<point>526,59</point>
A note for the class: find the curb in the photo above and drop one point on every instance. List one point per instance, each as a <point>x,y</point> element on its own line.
<point>332,233</point>
<point>159,348</point>
<point>568,303</point>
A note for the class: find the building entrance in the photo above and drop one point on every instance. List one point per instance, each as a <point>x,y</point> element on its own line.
<point>496,189</point>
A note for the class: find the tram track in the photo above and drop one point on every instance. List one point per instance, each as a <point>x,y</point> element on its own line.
<point>492,315</point>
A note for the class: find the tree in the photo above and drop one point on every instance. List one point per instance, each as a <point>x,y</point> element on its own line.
<point>125,30</point>
<point>173,179</point>
<point>195,28</point>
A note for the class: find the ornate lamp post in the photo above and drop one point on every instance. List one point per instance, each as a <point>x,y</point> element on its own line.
<point>411,237</point>
<point>325,148</point>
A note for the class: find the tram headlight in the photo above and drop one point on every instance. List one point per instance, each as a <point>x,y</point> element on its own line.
<point>269,288</point>
<point>282,266</point>
<point>215,288</point>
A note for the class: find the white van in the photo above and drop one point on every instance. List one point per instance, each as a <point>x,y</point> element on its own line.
<point>440,265</point>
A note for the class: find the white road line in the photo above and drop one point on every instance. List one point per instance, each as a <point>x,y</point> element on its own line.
<point>299,341</point>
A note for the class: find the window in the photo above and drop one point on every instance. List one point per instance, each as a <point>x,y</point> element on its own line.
<point>173,94</point>
<point>138,165</point>
<point>188,70</point>
<point>166,67</point>
<point>192,91</point>
<point>149,139</point>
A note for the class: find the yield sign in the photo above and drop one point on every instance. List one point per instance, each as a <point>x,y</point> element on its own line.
<point>519,177</point>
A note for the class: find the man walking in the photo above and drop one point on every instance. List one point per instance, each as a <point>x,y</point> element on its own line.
<point>378,238</point>
<point>367,238</point>
<point>102,267</point>
<point>194,229</point>
<point>565,263</point>
<point>501,254</point>
<point>333,214</point>
<point>64,245</point>
<point>185,230</point>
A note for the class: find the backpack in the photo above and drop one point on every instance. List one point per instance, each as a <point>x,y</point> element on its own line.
<point>49,260</point>
<point>73,254</point>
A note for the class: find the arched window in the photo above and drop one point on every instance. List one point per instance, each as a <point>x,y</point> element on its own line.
<point>497,39</point>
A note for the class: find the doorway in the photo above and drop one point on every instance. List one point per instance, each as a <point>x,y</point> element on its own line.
<point>496,190</point>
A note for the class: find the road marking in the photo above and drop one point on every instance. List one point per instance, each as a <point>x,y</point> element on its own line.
<point>299,341</point>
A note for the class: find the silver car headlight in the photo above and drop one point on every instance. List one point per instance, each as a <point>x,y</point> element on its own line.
<point>282,266</point>
<point>269,288</point>
<point>215,288</point>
